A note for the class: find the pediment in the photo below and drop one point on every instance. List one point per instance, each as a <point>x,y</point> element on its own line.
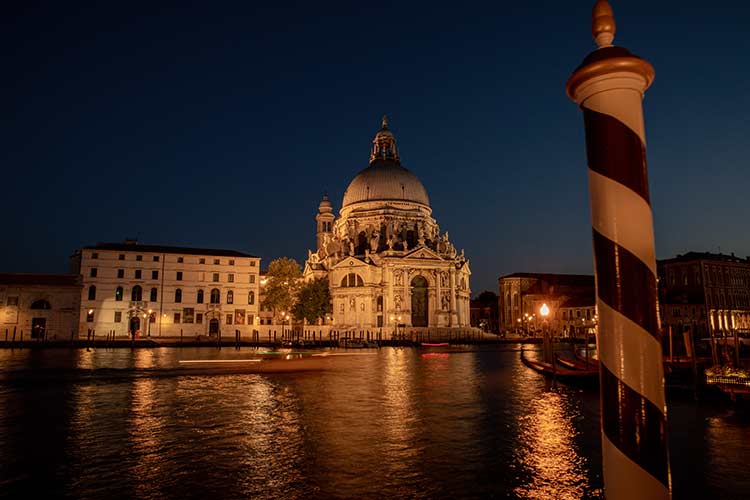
<point>422,253</point>
<point>350,263</point>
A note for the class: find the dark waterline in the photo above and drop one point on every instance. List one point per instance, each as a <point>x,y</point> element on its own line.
<point>391,423</point>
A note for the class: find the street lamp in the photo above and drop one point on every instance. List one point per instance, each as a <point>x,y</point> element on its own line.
<point>544,312</point>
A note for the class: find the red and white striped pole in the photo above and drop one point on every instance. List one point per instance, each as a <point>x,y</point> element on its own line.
<point>608,86</point>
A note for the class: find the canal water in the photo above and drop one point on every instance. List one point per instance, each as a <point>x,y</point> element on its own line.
<point>387,423</point>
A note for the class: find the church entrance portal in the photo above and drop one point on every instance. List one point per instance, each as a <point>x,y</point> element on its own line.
<point>419,301</point>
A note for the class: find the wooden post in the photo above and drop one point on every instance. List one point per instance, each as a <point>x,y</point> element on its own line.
<point>180,335</point>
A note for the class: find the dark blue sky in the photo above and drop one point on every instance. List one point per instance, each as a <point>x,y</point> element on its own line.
<point>221,125</point>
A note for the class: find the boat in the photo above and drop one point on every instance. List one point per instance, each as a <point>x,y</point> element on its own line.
<point>577,363</point>
<point>434,344</point>
<point>357,344</point>
<point>564,374</point>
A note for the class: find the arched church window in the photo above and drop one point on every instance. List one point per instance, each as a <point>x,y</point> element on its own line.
<point>359,281</point>
<point>118,294</point>
<point>215,296</point>
<point>344,281</point>
<point>136,294</point>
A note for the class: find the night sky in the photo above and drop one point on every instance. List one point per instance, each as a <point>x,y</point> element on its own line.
<point>221,125</point>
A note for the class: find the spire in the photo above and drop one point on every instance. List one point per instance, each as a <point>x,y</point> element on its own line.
<point>603,24</point>
<point>384,144</point>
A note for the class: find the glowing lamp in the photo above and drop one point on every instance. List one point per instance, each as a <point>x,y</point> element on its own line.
<point>544,310</point>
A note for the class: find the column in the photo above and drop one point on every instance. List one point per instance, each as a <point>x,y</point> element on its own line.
<point>609,87</point>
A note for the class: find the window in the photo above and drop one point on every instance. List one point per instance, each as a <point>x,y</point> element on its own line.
<point>178,296</point>
<point>201,261</point>
<point>565,315</point>
<point>217,262</point>
<point>121,273</point>
<point>352,279</point>
<point>179,275</point>
<point>578,313</point>
<point>199,299</point>
<point>92,292</point>
<point>94,255</point>
<point>251,297</point>
<point>216,277</point>
<point>152,298</point>
<point>137,274</point>
<point>156,258</point>
<point>229,319</point>
<point>231,262</point>
<point>215,296</point>
<point>252,263</point>
<point>118,294</point>
<point>152,318</point>
<point>154,275</point>
<point>121,256</point>
<point>92,273</point>
<point>118,316</point>
<point>180,260</point>
<point>40,304</point>
<point>139,257</point>
<point>199,318</point>
<point>136,294</point>
<point>252,278</point>
<point>90,316</point>
<point>230,297</point>
<point>230,278</point>
<point>176,317</point>
<point>12,301</point>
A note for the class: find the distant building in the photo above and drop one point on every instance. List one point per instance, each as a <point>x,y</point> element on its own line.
<point>151,290</point>
<point>484,315</point>
<point>521,295</point>
<point>42,306</point>
<point>707,291</point>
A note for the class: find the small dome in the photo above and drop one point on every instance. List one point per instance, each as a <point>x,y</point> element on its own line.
<point>385,180</point>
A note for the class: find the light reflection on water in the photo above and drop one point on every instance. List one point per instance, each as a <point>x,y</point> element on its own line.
<point>394,424</point>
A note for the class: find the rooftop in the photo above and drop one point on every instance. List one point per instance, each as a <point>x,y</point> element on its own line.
<point>31,279</point>
<point>691,256</point>
<point>132,246</point>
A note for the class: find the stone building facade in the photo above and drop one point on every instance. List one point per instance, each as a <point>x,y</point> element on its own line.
<point>41,306</point>
<point>521,296</point>
<point>385,257</point>
<point>707,292</point>
<point>150,290</point>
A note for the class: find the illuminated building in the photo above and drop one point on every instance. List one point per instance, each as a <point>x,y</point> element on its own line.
<point>707,291</point>
<point>43,306</point>
<point>154,290</point>
<point>520,295</point>
<point>385,258</point>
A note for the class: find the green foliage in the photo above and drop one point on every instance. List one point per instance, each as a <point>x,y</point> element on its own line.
<point>313,301</point>
<point>282,284</point>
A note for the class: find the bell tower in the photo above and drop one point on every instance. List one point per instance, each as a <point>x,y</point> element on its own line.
<point>324,221</point>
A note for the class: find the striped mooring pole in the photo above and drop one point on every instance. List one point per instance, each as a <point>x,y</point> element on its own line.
<point>608,87</point>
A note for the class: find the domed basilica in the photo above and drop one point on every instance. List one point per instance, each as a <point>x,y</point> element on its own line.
<point>386,261</point>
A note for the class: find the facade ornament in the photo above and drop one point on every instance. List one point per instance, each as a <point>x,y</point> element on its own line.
<point>399,281</point>
<point>352,304</point>
<point>443,279</point>
<point>445,301</point>
<point>351,247</point>
<point>397,301</point>
<point>374,241</point>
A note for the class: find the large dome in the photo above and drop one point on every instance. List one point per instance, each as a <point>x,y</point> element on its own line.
<point>385,180</point>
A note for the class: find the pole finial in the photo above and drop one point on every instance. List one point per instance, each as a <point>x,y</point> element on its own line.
<point>603,24</point>
<point>384,123</point>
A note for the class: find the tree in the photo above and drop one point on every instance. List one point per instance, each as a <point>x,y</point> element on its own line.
<point>487,299</point>
<point>313,301</point>
<point>282,283</point>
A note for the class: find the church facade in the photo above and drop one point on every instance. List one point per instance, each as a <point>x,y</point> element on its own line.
<point>386,260</point>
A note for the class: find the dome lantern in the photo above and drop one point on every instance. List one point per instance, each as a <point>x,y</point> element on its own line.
<point>384,145</point>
